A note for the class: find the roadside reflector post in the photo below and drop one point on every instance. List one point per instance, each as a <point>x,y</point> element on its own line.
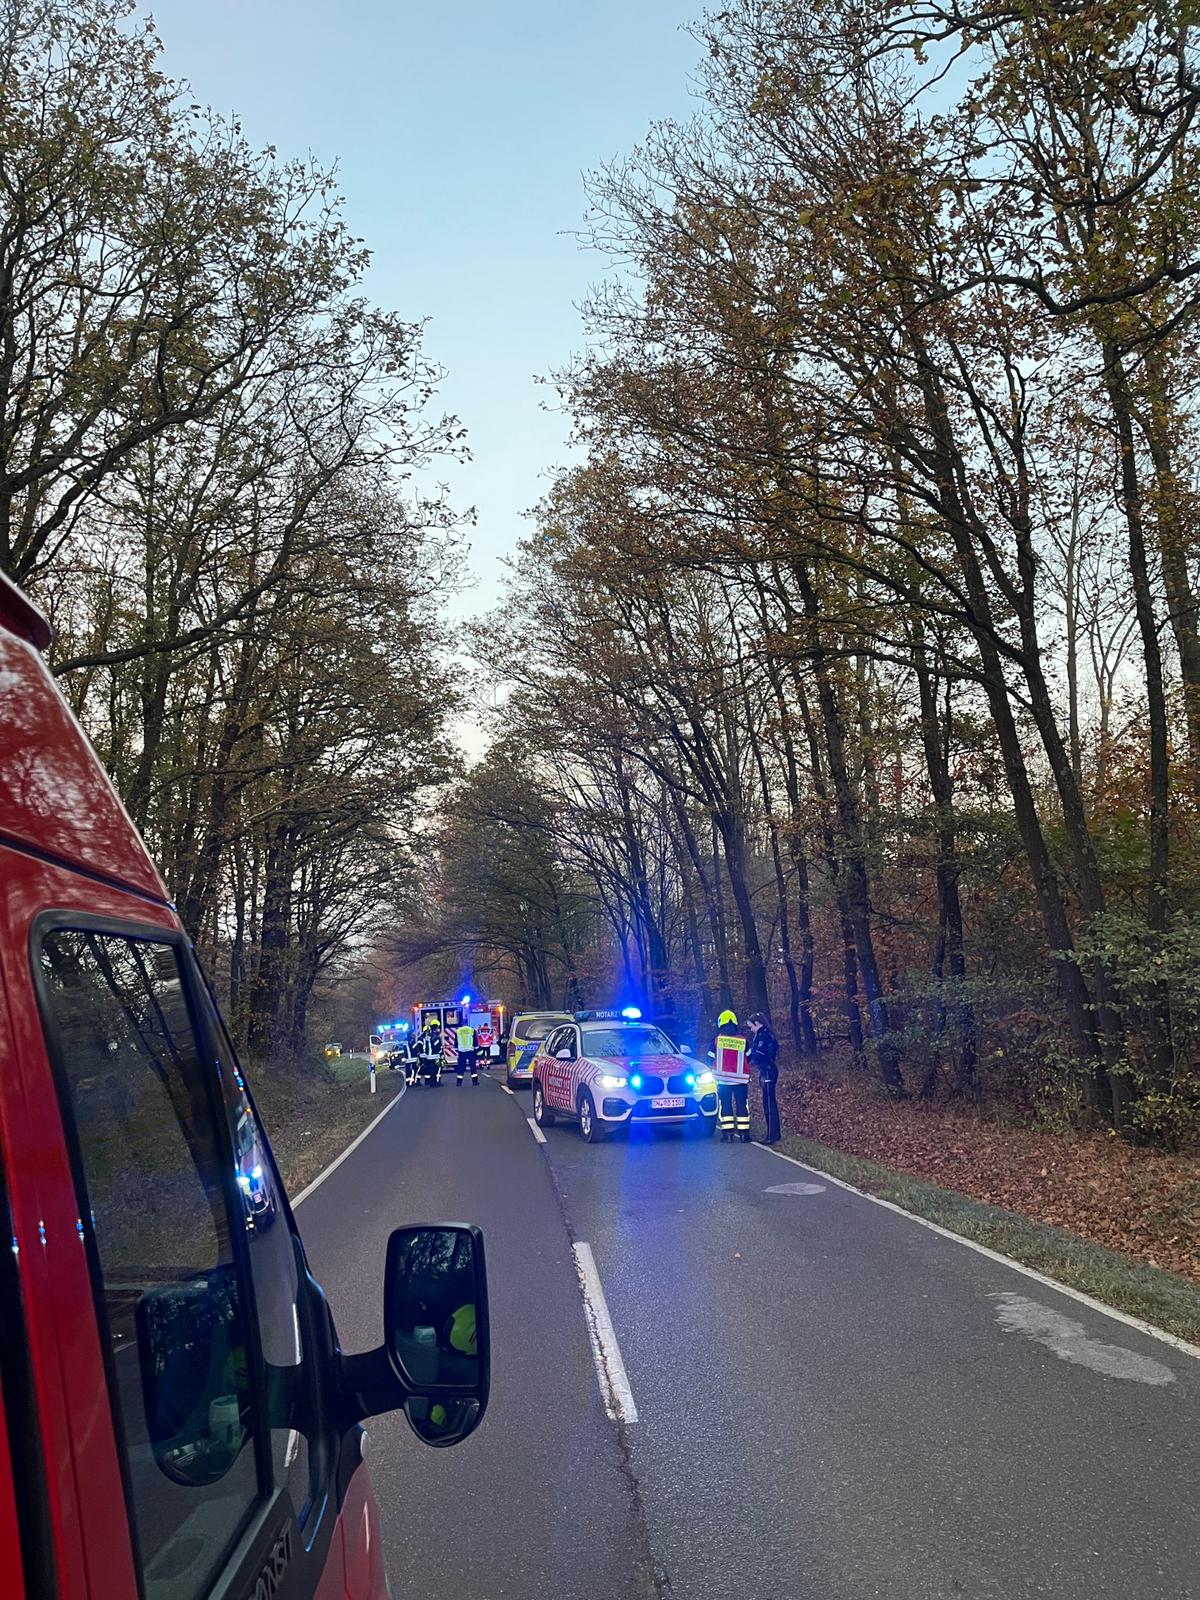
<point>372,1074</point>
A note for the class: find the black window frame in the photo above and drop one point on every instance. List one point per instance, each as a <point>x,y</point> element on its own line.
<point>26,1453</point>
<point>312,1517</point>
<point>265,1507</point>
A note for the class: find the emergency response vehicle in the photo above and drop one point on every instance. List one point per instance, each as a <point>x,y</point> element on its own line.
<point>390,1046</point>
<point>177,1419</point>
<point>610,1069</point>
<point>529,1028</point>
<point>486,1017</point>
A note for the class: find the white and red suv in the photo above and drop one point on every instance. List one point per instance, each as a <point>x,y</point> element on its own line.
<point>609,1070</point>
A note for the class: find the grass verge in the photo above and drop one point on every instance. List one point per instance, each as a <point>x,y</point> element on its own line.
<point>313,1111</point>
<point>1164,1299</point>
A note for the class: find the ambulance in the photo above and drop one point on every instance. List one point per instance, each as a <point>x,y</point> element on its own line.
<point>607,1070</point>
<point>485,1016</point>
<point>177,1418</point>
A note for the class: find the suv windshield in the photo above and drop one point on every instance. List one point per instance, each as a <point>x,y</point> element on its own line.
<point>634,1043</point>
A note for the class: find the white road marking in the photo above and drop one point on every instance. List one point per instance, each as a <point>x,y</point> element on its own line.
<point>606,1352</point>
<point>506,1089</point>
<point>796,1188</point>
<point>350,1148</point>
<point>1070,1342</point>
<point>1147,1328</point>
<point>536,1131</point>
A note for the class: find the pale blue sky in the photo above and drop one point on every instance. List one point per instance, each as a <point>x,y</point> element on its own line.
<point>462,132</point>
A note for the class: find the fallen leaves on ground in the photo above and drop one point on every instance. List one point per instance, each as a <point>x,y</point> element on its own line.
<point>1140,1202</point>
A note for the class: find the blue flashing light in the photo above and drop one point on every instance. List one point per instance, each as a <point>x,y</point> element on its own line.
<point>636,1081</point>
<point>465,1001</point>
<point>403,1026</point>
<point>690,1079</point>
<point>632,1014</point>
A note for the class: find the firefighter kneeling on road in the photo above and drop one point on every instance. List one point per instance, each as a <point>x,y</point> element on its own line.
<point>464,1038</point>
<point>732,1073</point>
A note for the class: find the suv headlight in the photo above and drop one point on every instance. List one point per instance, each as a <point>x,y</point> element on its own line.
<point>706,1079</point>
<point>610,1080</point>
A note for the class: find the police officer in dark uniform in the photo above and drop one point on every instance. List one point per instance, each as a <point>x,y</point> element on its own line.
<point>764,1054</point>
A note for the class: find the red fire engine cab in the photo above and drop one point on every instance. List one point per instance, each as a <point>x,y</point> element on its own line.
<point>176,1416</point>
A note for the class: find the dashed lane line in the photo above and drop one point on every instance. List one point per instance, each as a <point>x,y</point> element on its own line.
<point>536,1131</point>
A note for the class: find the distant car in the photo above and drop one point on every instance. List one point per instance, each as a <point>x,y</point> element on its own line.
<point>609,1070</point>
<point>332,1050</point>
<point>528,1028</point>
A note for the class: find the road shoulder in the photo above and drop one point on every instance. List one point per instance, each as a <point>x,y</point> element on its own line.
<point>1162,1303</point>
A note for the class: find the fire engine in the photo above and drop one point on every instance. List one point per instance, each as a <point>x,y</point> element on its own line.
<point>176,1415</point>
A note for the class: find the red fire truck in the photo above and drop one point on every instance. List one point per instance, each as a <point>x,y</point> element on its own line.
<point>176,1416</point>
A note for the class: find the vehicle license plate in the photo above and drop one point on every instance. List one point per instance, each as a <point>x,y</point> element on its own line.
<point>667,1102</point>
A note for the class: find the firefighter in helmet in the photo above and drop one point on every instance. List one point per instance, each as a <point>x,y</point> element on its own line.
<point>732,1073</point>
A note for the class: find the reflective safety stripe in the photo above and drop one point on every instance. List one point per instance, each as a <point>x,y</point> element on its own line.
<point>465,1037</point>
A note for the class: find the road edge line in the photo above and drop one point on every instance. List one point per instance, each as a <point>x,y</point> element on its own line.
<point>350,1148</point>
<point>606,1352</point>
<point>1084,1299</point>
<point>536,1131</point>
<point>506,1089</point>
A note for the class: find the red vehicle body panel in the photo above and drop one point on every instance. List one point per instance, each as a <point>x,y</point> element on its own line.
<point>11,1582</point>
<point>66,843</point>
<point>55,796</point>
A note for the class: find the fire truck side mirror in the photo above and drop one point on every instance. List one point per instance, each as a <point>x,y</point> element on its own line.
<point>435,1361</point>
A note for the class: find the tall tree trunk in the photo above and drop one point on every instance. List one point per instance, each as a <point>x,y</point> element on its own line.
<point>856,882</point>
<point>781,888</point>
<point>733,840</point>
<point>948,868</point>
<point>1158,1012</point>
<point>949,471</point>
<point>1173,527</point>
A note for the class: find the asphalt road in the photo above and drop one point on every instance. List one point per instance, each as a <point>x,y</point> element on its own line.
<point>833,1402</point>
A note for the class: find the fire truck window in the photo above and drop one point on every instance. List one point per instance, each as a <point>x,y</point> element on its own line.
<point>152,1164</point>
